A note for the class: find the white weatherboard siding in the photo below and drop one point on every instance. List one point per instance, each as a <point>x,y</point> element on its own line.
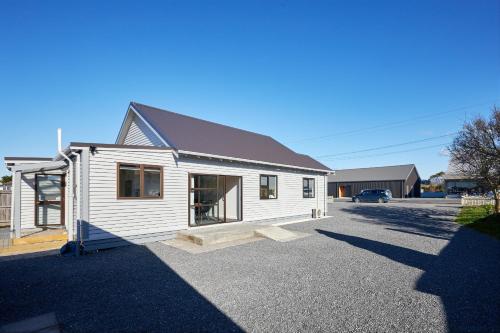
<point>289,202</point>
<point>140,134</point>
<point>111,217</point>
<point>28,201</point>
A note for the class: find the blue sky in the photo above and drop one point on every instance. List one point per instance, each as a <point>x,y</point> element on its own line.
<point>324,77</point>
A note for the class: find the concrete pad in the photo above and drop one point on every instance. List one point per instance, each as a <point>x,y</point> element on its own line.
<point>206,239</point>
<point>279,234</point>
<point>309,219</point>
<point>211,236</point>
<point>193,248</point>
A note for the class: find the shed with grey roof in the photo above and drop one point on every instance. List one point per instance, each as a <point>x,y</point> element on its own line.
<point>403,181</point>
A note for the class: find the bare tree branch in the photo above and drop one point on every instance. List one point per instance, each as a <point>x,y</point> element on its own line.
<point>475,152</point>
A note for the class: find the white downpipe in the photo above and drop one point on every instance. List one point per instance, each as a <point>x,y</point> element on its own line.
<point>78,202</point>
<point>70,178</point>
<point>325,195</point>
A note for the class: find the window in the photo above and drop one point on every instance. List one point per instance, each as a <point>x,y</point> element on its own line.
<point>268,187</point>
<point>138,181</point>
<point>308,187</point>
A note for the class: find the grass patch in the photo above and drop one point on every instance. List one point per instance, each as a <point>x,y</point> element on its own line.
<point>480,218</point>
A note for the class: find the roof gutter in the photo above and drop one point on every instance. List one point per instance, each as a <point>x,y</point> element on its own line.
<point>185,152</point>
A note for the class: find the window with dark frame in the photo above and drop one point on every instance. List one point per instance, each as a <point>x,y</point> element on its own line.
<point>268,187</point>
<point>139,181</point>
<point>308,187</point>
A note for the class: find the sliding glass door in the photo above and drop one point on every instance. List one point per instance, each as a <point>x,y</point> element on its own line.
<point>214,199</point>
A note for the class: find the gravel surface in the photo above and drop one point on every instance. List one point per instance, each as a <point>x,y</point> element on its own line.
<point>369,268</point>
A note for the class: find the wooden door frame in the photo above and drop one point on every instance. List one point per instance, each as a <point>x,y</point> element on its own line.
<point>61,202</point>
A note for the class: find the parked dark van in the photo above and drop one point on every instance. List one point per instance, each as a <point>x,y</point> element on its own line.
<point>379,196</point>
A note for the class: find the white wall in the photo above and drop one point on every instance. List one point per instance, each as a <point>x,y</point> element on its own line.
<point>233,195</point>
<point>140,134</point>
<point>28,201</point>
<point>109,216</point>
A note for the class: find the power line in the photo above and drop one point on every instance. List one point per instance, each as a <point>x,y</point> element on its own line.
<point>392,153</point>
<point>391,124</point>
<point>387,146</point>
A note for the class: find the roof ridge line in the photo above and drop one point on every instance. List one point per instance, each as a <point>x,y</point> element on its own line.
<point>207,121</point>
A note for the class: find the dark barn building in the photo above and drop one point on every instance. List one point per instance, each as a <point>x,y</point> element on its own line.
<point>402,180</point>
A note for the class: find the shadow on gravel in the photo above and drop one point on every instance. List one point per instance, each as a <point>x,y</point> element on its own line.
<point>434,223</point>
<point>418,233</point>
<point>465,274</point>
<point>124,290</point>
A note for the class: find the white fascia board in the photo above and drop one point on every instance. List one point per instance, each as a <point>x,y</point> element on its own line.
<point>125,147</point>
<point>122,128</point>
<point>54,165</point>
<point>227,158</point>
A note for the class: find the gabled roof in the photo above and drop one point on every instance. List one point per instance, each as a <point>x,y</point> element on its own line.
<point>188,134</point>
<point>393,172</point>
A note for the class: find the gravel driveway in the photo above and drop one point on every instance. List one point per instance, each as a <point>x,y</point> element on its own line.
<point>391,267</point>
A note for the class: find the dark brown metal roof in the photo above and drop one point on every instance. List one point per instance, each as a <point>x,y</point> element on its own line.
<point>201,136</point>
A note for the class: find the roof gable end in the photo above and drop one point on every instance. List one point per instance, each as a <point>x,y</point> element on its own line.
<point>136,131</point>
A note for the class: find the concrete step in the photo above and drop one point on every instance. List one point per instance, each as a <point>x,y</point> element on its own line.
<point>33,239</point>
<point>227,234</point>
<point>279,234</point>
<point>32,248</point>
<point>211,237</point>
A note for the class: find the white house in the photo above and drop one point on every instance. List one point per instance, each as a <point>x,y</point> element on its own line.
<point>166,172</point>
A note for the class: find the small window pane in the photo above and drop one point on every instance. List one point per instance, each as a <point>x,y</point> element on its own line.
<point>49,187</point>
<point>308,189</point>
<point>152,182</point>
<point>268,187</point>
<point>273,187</point>
<point>130,179</point>
<point>264,193</point>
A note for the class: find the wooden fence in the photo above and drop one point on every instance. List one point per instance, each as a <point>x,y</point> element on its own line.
<point>477,201</point>
<point>5,202</point>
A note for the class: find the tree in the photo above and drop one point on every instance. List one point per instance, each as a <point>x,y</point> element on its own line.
<point>437,174</point>
<point>6,179</point>
<point>437,179</point>
<point>476,152</point>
